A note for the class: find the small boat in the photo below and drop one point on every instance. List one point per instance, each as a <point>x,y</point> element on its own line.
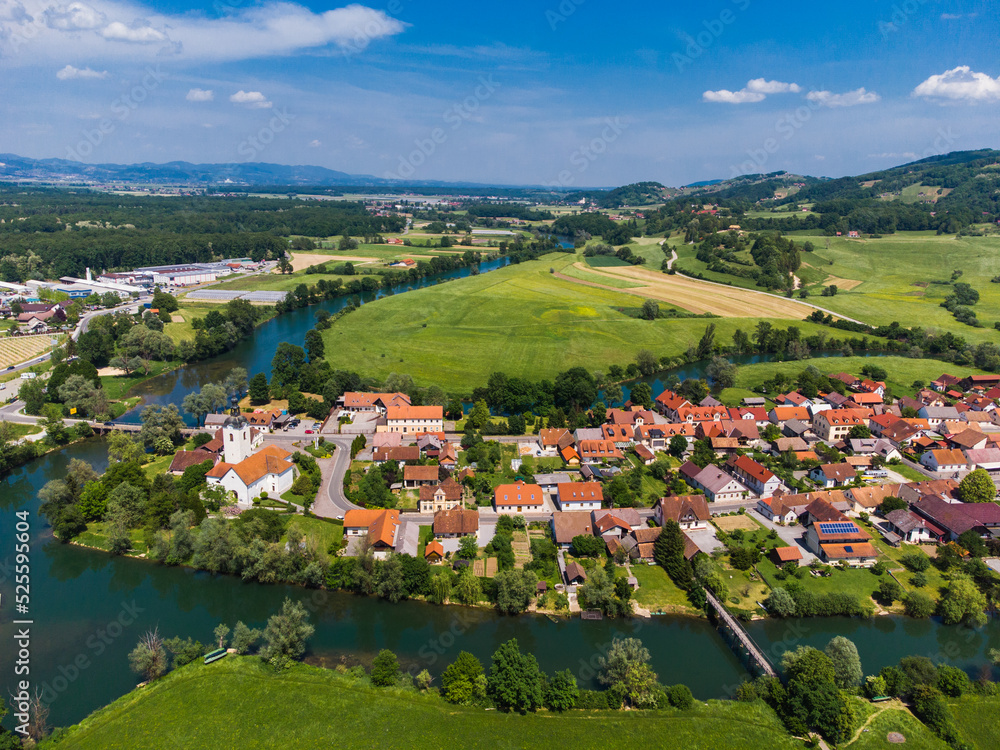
<point>552,617</point>
<point>219,653</point>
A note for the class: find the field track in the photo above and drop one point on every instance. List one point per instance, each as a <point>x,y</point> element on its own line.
<point>699,297</point>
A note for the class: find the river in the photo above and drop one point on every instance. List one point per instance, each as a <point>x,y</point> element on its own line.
<point>88,609</point>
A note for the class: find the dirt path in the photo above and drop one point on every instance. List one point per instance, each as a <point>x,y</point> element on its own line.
<point>894,705</point>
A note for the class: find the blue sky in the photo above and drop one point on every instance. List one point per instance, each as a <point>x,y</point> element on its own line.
<point>572,93</point>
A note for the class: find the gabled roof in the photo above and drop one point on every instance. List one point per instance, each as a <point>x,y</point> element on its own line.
<point>855,550</point>
<point>822,511</point>
<point>422,413</point>
<point>269,460</point>
<point>353,400</point>
<point>398,453</point>
<point>185,459</point>
<point>434,549</point>
<point>456,521</point>
<point>949,457</point>
<point>840,472</point>
<point>568,524</point>
<point>677,507</point>
<point>452,490</point>
<point>381,524</point>
<point>420,473</point>
<point>518,494</point>
<point>751,468</point>
<point>578,492</point>
<point>787,554</point>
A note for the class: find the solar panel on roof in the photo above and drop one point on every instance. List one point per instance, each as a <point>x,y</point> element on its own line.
<point>838,528</point>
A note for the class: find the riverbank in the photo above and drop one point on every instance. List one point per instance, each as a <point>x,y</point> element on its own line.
<point>244,701</point>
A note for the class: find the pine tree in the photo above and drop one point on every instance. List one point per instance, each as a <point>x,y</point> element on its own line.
<point>668,552</point>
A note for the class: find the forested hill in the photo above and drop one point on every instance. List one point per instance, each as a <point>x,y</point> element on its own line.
<point>948,193</point>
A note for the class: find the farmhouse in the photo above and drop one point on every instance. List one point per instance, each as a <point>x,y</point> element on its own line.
<point>419,476</point>
<point>833,475</point>
<point>776,510</point>
<point>689,511</point>
<point>718,485</point>
<point>451,524</point>
<point>566,525</point>
<point>758,478</point>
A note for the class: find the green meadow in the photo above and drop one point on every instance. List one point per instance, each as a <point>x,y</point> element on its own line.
<point>240,703</point>
<point>521,320</point>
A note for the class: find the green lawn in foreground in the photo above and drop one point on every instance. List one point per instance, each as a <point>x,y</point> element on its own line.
<point>317,532</point>
<point>238,703</point>
<point>521,320</point>
<point>918,736</point>
<point>978,720</point>
<point>22,430</point>
<point>902,371</point>
<point>657,592</point>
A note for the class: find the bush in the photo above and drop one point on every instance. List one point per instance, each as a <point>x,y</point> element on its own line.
<point>385,669</point>
<point>592,700</point>
<point>916,562</point>
<point>679,696</point>
<point>918,605</point>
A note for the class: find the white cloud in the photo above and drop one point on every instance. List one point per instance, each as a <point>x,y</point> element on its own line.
<point>253,30</point>
<point>315,143</point>
<point>960,84</point>
<point>847,99</point>
<point>756,90</point>
<point>200,95</point>
<point>137,33</point>
<point>73,17</point>
<point>761,86</point>
<point>251,99</point>
<point>957,16</point>
<point>70,73</point>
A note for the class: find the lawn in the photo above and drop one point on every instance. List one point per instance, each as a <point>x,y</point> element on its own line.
<point>978,720</point>
<point>426,535</point>
<point>520,319</point>
<point>918,736</point>
<point>116,386</point>
<point>657,592</point>
<point>318,532</point>
<point>17,431</point>
<point>604,261</point>
<point>239,703</point>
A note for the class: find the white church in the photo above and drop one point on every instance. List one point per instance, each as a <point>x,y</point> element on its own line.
<point>248,474</point>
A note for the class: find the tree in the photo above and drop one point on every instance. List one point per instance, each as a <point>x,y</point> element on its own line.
<point>952,681</point>
<point>385,669</point>
<point>286,635</point>
<point>468,590</point>
<point>149,659</point>
<point>626,672</point>
<point>808,665</point>
<point>846,662</point>
<point>972,543</point>
<point>514,682</point>
<point>122,448</point>
<point>32,392</point>
<point>977,487</point>
<point>647,362</point>
<point>641,394</point>
<point>468,548</point>
<point>53,424</point>
<point>221,634</point>
<point>562,692</point>
<point>888,591</point>
<point>259,391</point>
<point>859,432</point>
<point>722,372</point>
<point>678,446</point>
<point>587,545</point>
<point>462,681</point>
<point>707,343</point>
<point>287,364</point>
<point>160,421</point>
<point>668,552</point>
<point>781,603</point>
<point>574,389</point>
<point>479,417</point>
<point>244,637</point>
<point>314,345</point>
<point>963,603</point>
<point>514,590</point>
<point>650,310</point>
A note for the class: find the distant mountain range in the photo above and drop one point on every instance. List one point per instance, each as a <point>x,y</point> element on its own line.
<point>14,167</point>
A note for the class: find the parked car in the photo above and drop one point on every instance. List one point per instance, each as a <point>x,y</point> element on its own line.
<point>309,432</point>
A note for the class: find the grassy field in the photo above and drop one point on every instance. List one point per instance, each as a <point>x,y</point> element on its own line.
<point>978,720</point>
<point>521,319</point>
<point>238,703</point>
<point>890,279</point>
<point>317,532</point>
<point>22,430</point>
<point>883,721</point>
<point>903,371</point>
<point>14,351</point>
<point>657,592</point>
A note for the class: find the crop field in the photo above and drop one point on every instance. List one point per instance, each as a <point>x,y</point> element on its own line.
<point>698,297</point>
<point>522,320</point>
<point>15,350</point>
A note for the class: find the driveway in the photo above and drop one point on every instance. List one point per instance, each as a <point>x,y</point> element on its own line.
<point>792,536</point>
<point>705,539</point>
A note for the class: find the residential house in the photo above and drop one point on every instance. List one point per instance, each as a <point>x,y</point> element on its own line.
<point>622,435</point>
<point>371,402</point>
<point>402,455</point>
<point>669,405</point>
<point>935,415</point>
<point>569,524</point>
<point>552,440</point>
<point>967,440</point>
<point>598,451</point>
<point>775,509</point>
<point>630,516</point>
<point>434,552</point>
<point>689,511</point>
<point>957,518</point>
<point>867,499</point>
<point>837,541</point>
<point>645,455</point>
<point>833,475</point>
<point>948,461</point>
<point>758,478</point>
<point>182,460</point>
<point>444,496</point>
<point>579,496</point>
<point>781,414</point>
<point>641,542</point>
<point>408,419</point>
<point>819,510</point>
<point>550,482</point>
<point>718,486</point>
<point>380,526</point>
<point>455,523</point>
<point>873,447</point>
<point>833,425</point>
<point>911,528</point>
<point>575,574</point>
<point>945,382</point>
<point>518,498</point>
